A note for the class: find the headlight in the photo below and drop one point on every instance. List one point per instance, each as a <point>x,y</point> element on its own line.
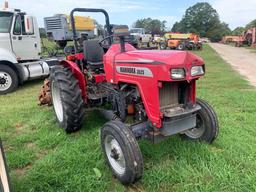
<point>177,73</point>
<point>197,70</point>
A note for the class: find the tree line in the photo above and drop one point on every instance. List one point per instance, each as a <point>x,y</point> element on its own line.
<point>200,18</point>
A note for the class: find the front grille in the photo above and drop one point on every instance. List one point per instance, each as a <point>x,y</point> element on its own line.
<point>169,95</point>
<point>53,23</point>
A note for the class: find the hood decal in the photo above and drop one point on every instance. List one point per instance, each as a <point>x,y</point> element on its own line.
<point>140,71</point>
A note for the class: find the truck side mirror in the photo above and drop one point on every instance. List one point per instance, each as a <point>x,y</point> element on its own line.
<point>28,21</point>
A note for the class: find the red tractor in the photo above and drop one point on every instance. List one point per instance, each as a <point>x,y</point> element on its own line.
<point>152,95</point>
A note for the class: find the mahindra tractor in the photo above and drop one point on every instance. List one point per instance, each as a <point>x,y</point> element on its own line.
<point>145,94</point>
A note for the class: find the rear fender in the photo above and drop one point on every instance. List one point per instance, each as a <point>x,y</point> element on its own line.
<point>78,75</point>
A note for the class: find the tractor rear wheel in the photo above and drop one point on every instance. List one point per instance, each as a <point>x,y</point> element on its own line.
<point>207,126</point>
<point>67,99</point>
<point>122,152</point>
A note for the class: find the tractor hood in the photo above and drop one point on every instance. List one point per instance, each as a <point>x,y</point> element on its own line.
<point>150,63</point>
<point>173,58</point>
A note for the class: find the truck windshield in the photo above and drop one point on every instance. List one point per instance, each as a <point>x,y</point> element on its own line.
<point>5,22</point>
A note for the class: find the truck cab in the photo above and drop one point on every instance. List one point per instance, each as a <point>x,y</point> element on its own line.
<point>20,50</point>
<point>16,30</point>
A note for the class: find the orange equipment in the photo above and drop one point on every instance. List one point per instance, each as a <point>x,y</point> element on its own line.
<point>181,41</point>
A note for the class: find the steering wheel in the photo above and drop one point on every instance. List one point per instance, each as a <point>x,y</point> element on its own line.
<point>104,39</point>
<point>69,50</point>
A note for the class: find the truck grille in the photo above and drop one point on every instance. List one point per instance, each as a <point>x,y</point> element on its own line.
<point>169,95</point>
<point>52,23</point>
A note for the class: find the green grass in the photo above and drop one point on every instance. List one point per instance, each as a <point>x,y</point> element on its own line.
<point>41,157</point>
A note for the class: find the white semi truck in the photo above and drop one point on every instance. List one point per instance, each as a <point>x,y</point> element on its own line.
<point>141,36</point>
<point>20,50</point>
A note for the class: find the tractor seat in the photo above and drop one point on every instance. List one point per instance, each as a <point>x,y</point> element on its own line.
<point>93,53</point>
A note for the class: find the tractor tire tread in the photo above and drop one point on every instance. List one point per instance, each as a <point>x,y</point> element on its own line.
<point>73,104</point>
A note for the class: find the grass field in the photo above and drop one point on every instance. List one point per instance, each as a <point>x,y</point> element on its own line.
<point>41,157</point>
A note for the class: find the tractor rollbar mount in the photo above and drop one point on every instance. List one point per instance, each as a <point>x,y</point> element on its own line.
<point>90,10</point>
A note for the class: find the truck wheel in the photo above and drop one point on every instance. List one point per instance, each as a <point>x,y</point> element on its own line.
<point>8,79</point>
<point>207,126</point>
<point>162,46</point>
<point>122,152</point>
<point>180,47</point>
<point>67,99</point>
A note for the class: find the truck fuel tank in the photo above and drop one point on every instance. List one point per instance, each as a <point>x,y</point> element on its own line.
<point>35,70</point>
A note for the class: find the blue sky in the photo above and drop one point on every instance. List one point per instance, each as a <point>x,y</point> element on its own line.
<point>232,12</point>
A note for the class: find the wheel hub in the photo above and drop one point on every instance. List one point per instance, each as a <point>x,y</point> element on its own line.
<point>197,131</point>
<point>57,103</point>
<point>2,81</point>
<point>115,154</point>
<point>5,81</point>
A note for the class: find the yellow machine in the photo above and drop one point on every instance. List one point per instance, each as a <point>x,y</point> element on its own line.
<point>82,23</point>
<point>180,41</point>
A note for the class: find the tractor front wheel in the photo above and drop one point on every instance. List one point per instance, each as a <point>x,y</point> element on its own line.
<point>207,127</point>
<point>122,152</point>
<point>67,99</point>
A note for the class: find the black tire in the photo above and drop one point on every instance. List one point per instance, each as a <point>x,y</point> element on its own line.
<point>162,46</point>
<point>8,79</point>
<point>207,128</point>
<point>127,149</point>
<point>180,47</point>
<point>66,97</point>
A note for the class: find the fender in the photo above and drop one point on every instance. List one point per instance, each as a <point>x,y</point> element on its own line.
<point>9,59</point>
<point>6,55</point>
<point>78,75</point>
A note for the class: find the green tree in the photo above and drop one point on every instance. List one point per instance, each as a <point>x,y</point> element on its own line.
<point>251,24</point>
<point>153,26</point>
<point>217,31</point>
<point>42,32</point>
<point>238,31</point>
<point>204,20</point>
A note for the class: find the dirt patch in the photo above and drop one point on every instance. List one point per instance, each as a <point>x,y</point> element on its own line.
<point>134,188</point>
<point>20,172</point>
<point>30,145</point>
<point>18,125</point>
<point>241,59</point>
<point>40,154</point>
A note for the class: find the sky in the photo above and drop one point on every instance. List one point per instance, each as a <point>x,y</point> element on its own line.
<point>234,12</point>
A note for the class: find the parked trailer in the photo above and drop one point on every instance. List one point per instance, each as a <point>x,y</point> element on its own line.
<point>20,50</point>
<point>58,28</point>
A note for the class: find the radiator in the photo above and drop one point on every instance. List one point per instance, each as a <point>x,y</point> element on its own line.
<point>169,95</point>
